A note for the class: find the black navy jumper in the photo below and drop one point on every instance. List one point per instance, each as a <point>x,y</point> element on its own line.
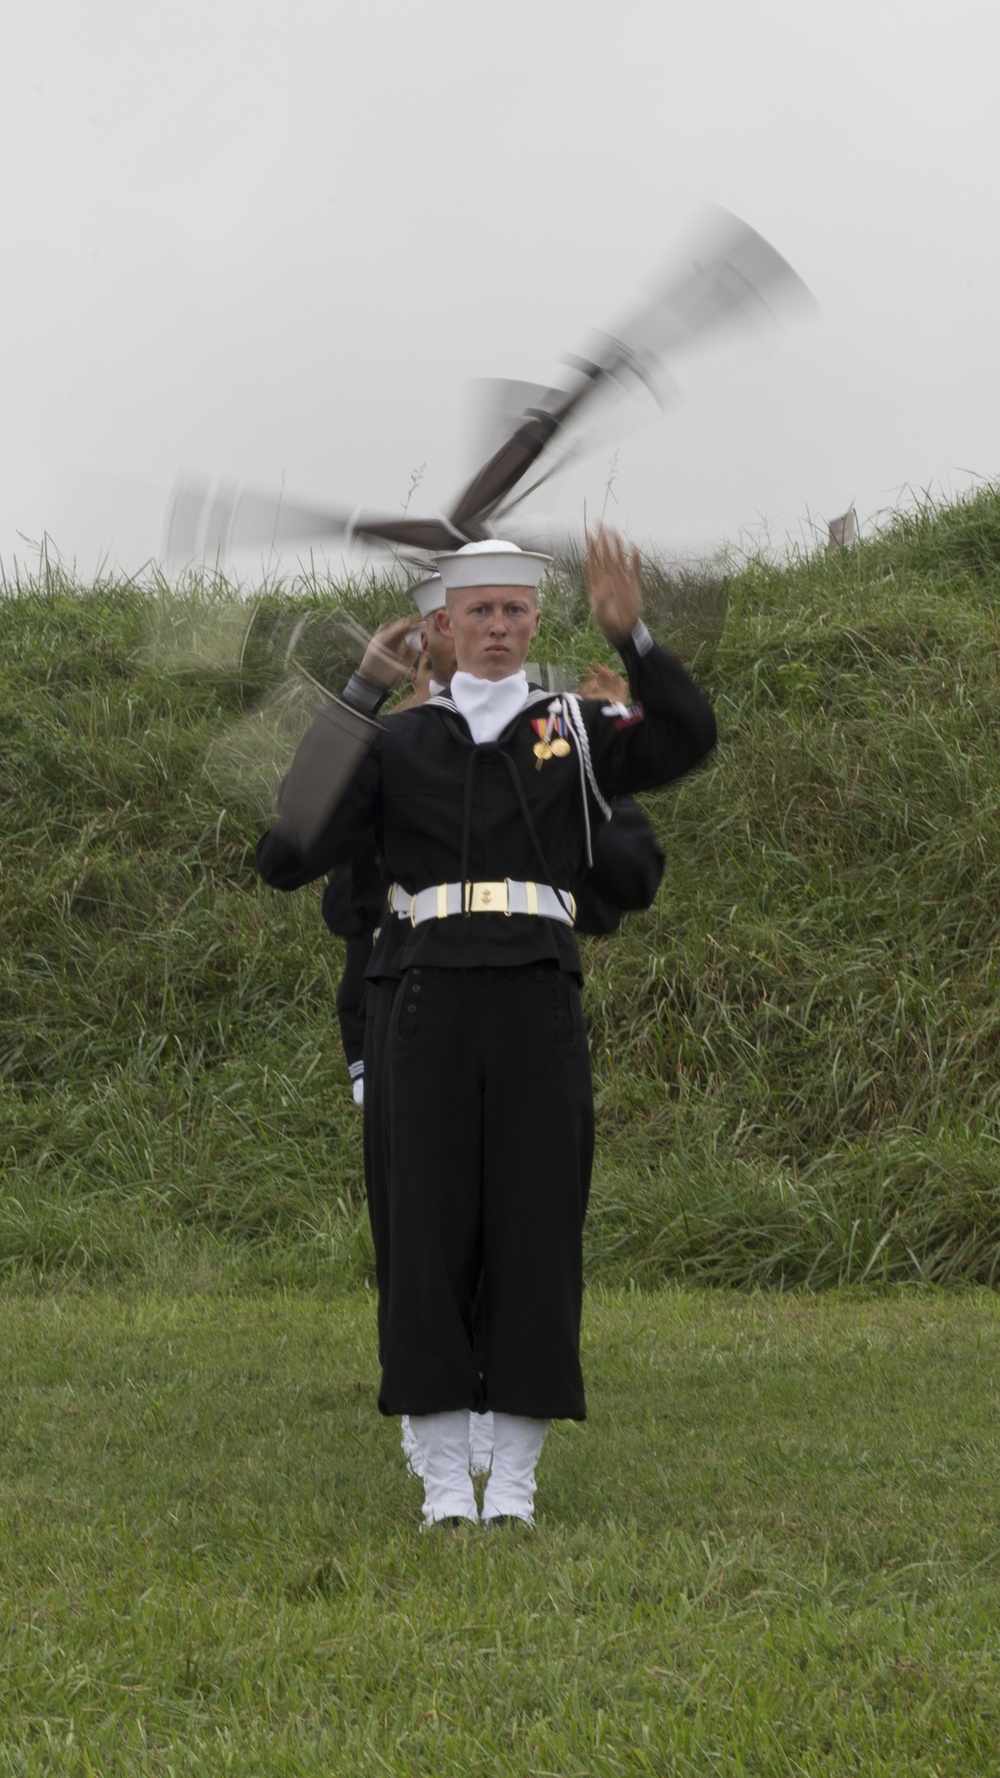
<point>486,1029</point>
<point>625,875</point>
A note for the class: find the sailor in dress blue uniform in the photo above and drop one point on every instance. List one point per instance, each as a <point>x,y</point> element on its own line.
<point>484,803</point>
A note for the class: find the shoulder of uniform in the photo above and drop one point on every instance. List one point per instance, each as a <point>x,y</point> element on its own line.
<point>405,713</point>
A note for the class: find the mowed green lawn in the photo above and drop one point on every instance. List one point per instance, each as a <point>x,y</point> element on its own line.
<point>774,1548</point>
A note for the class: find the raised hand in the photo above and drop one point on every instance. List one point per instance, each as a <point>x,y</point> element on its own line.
<point>389,657</point>
<point>613,583</point>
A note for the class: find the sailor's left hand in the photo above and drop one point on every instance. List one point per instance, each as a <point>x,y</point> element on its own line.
<point>604,682</point>
<point>613,583</point>
<point>389,657</point>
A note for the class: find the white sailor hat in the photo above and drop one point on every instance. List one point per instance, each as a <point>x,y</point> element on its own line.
<point>427,595</point>
<point>491,564</point>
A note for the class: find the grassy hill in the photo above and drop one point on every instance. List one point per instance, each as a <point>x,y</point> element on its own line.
<point>796,1049</point>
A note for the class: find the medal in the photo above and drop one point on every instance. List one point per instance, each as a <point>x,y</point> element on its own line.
<point>546,747</point>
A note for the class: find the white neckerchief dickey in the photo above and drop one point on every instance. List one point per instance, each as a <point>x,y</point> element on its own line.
<point>488,705</point>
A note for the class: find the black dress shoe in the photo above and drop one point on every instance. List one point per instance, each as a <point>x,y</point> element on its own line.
<point>499,1519</point>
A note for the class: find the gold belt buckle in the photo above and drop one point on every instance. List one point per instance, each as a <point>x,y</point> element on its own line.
<point>488,898</point>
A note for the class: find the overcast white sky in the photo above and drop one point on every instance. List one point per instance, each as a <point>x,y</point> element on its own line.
<point>274,242</point>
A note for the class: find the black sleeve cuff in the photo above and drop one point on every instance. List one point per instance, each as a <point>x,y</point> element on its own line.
<point>360,694</point>
<point>633,650</point>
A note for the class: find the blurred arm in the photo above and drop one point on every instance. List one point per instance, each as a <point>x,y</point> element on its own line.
<point>330,801</point>
<point>671,726</point>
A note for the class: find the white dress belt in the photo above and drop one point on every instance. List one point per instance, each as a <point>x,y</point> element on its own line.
<point>506,897</point>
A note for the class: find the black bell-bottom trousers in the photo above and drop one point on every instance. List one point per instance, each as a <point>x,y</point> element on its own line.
<point>490,1152</point>
<point>379,998</point>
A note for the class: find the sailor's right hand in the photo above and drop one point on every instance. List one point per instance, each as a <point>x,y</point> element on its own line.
<point>389,657</point>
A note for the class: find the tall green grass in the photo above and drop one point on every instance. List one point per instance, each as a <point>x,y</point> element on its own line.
<point>796,1050</point>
